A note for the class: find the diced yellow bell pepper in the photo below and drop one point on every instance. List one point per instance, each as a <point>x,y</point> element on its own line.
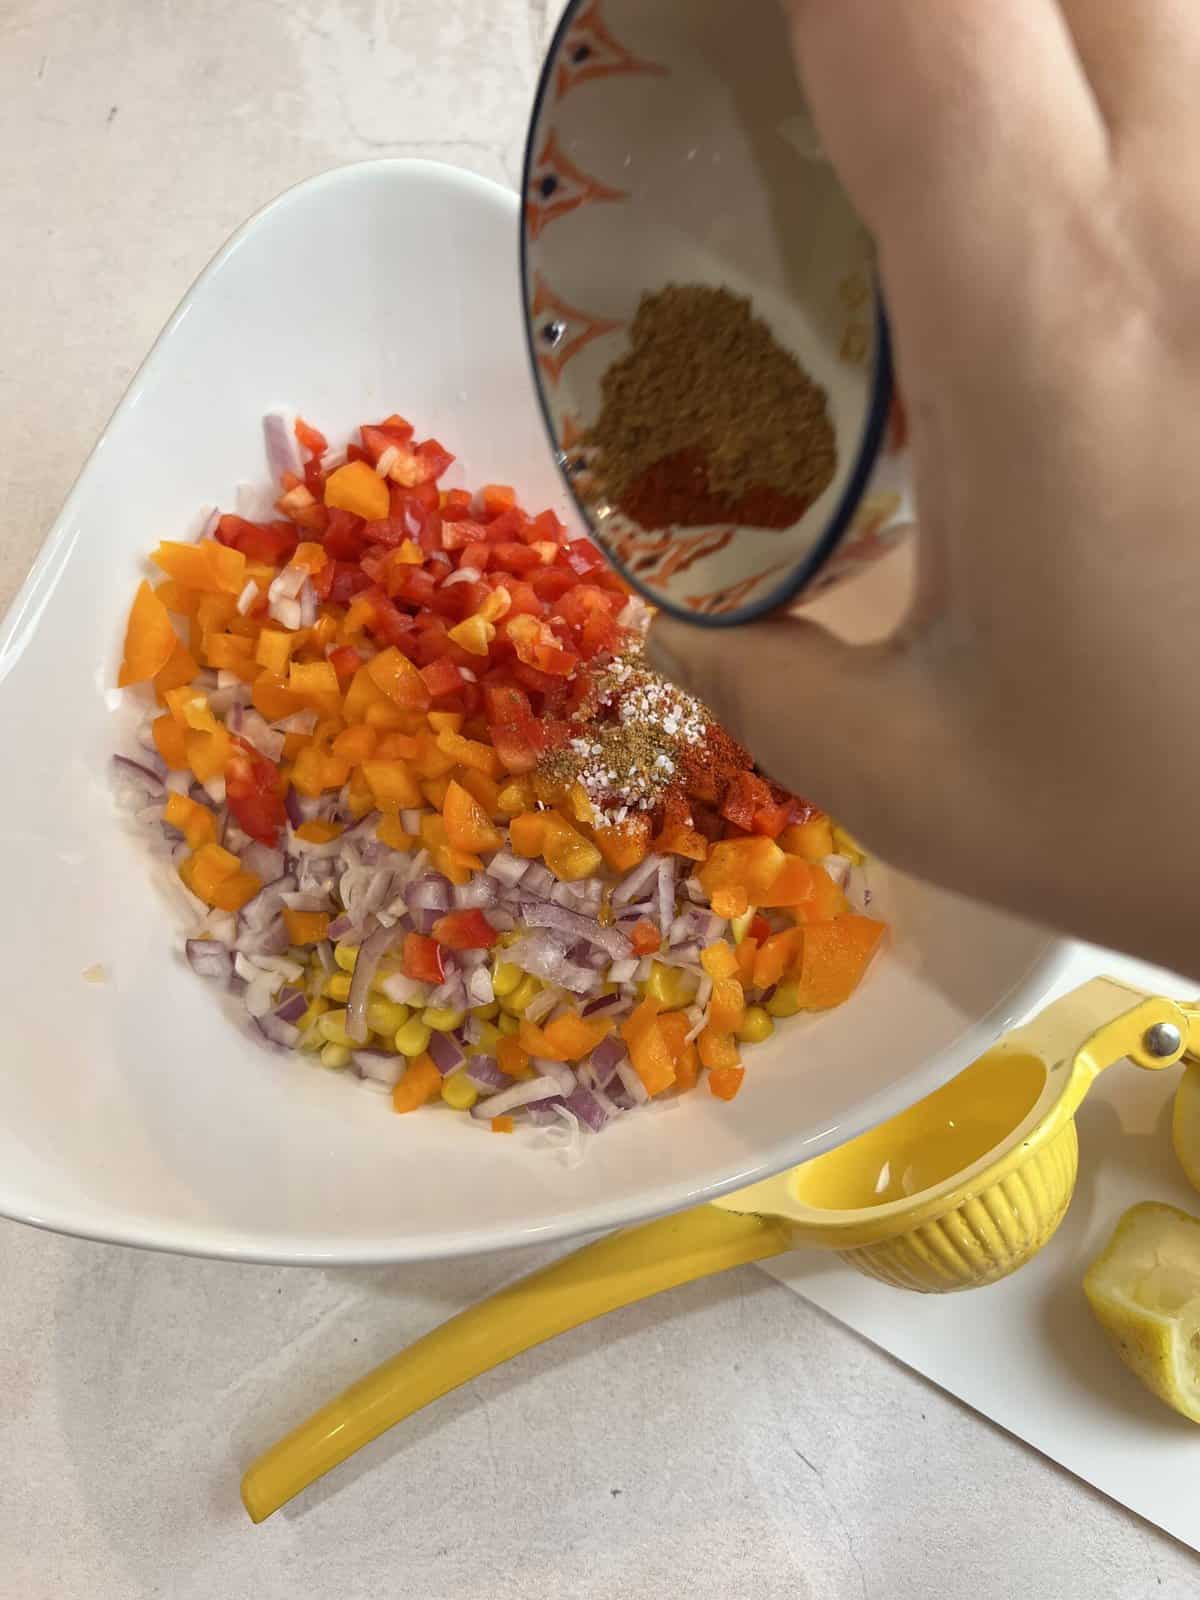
<point>359,489</point>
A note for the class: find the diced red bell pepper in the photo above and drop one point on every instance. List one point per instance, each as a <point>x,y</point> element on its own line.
<point>344,539</point>
<point>272,543</point>
<point>309,438</point>
<point>422,959</point>
<point>465,930</point>
<point>442,677</point>
<point>348,580</point>
<point>505,703</point>
<point>254,791</point>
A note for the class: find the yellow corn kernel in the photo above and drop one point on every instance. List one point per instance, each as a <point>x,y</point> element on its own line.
<point>413,1038</point>
<point>386,1016</point>
<point>316,1008</point>
<point>507,1024</point>
<point>442,1019</point>
<point>719,960</point>
<point>335,1055</point>
<point>785,1002</point>
<point>489,1038</point>
<point>458,1091</point>
<point>516,1002</point>
<point>505,979</point>
<point>487,1013</point>
<point>756,1026</point>
<point>332,1027</point>
<point>345,955</point>
<point>337,985</point>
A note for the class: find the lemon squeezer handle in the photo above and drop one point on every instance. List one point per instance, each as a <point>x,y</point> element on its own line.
<point>614,1271</point>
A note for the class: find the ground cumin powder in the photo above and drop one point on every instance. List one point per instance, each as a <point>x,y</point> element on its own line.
<point>707,419</point>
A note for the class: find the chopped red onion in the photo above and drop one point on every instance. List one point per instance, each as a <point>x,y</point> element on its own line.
<point>549,915</point>
<point>602,1002</point>
<point>486,1075</point>
<point>379,1066</point>
<point>543,956</point>
<point>478,893</point>
<point>583,1104</point>
<point>253,728</point>
<point>209,959</point>
<point>503,921</point>
<point>283,452</point>
<point>480,991</point>
<point>542,1004</point>
<point>293,1008</point>
<point>288,584</point>
<point>666,893</point>
<point>519,1095</point>
<point>445,1052</point>
<point>410,820</point>
<point>285,612</point>
<point>538,881</point>
<point>370,954</point>
<point>473,1030</point>
<point>307,601</point>
<point>605,1057</point>
<point>297,722</point>
<point>562,1074</point>
<point>291,804</point>
<point>544,1113</point>
<point>508,868</point>
<point>449,996</point>
<point>462,575</point>
<point>429,893</point>
<point>642,877</point>
<point>263,862</point>
<point>267,903</point>
<point>623,971</point>
<point>631,1083</point>
<point>326,957</point>
<point>138,774</point>
<point>247,597</point>
<point>404,990</point>
<point>273,1026</point>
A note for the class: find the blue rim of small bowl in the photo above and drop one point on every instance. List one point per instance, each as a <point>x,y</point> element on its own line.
<point>870,440</point>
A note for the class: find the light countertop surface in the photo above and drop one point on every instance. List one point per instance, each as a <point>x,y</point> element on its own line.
<point>723,1442</point>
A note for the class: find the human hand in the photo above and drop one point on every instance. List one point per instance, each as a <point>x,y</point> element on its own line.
<point>1032,174</point>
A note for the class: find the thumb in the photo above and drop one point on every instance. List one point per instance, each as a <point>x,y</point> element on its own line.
<point>830,721</point>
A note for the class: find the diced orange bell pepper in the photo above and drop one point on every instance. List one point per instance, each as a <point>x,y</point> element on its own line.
<point>227,652</point>
<point>388,830</point>
<point>235,892</point>
<point>272,698</point>
<point>305,927</point>
<point>652,1060</point>
<point>572,1037</point>
<point>752,864</point>
<point>179,670</point>
<point>398,678</point>
<point>725,1082</point>
<point>502,1125</point>
<point>208,566</point>
<point>434,790</point>
<point>196,822</point>
<point>315,770</point>
<point>273,650</point>
<point>474,635</point>
<point>645,938</point>
<point>834,958</point>
<point>727,1008</point>
<point>469,753</point>
<point>468,826</point>
<point>421,1082</point>
<point>430,761</point>
<point>310,556</point>
<point>150,640</point>
<point>315,684</point>
<point>362,693</point>
<point>747,954</point>
<point>393,784</point>
<point>824,903</point>
<point>533,1040</point>
<point>566,852</point>
<point>170,737</point>
<point>515,795</point>
<point>527,833</point>
<point>675,1028</point>
<point>446,721</point>
<point>720,960</point>
<point>776,955</point>
<point>483,789</point>
<point>319,831</point>
<point>393,746</point>
<point>177,597</point>
<point>812,840</point>
<point>207,753</point>
<point>190,708</point>
<point>731,901</point>
<point>512,1057</point>
<point>792,886</point>
<point>359,489</point>
<point>716,1049</point>
<point>356,744</point>
<point>626,845</point>
<point>641,1018</point>
<point>210,866</point>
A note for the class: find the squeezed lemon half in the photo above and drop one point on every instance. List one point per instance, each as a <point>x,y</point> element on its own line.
<point>1145,1291</point>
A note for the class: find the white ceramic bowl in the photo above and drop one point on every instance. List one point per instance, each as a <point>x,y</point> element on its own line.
<point>132,1109</point>
<point>670,144</point>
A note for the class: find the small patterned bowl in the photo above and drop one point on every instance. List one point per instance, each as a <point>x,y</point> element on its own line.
<point>670,143</point>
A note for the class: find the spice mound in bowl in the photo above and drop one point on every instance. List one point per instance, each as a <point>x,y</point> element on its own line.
<point>707,418</point>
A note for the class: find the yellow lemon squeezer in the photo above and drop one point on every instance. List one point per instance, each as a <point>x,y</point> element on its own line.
<point>956,1192</point>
